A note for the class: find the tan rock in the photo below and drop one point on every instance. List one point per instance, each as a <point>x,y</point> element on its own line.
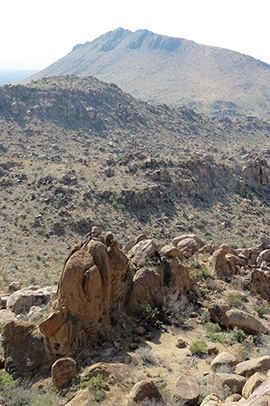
<point>211,400</point>
<point>187,391</point>
<point>261,396</point>
<point>50,326</point>
<point>144,391</point>
<point>189,243</point>
<point>143,249</point>
<point>248,368</point>
<point>224,358</point>
<point>260,283</point>
<point>217,313</point>
<point>105,369</point>
<point>6,315</point>
<point>23,346</point>
<point>236,397</point>
<point>80,399</point>
<point>200,242</point>
<point>63,371</point>
<point>246,322</point>
<point>253,383</point>
<point>169,251</point>
<point>233,381</point>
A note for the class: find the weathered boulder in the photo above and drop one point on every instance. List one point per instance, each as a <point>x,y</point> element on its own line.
<point>144,391</point>
<point>217,312</point>
<point>211,400</point>
<point>261,396</point>
<point>147,288</point>
<point>89,288</point>
<point>199,241</point>
<point>6,315</point>
<point>233,381</point>
<point>246,322</point>
<point>22,300</point>
<point>143,249</point>
<point>80,399</point>
<point>253,383</point>
<point>63,370</point>
<point>169,251</point>
<point>248,368</point>
<point>224,358</point>
<point>104,369</point>
<point>155,284</point>
<point>14,286</point>
<point>187,391</point>
<point>260,283</point>
<point>24,347</point>
<point>224,262</point>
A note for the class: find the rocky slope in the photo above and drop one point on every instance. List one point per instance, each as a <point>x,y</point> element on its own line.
<point>174,71</point>
<point>76,152</point>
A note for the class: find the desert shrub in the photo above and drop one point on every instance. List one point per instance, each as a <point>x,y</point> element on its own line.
<point>204,272</point>
<point>233,245</point>
<point>238,335</point>
<point>198,347</point>
<point>96,386</point>
<point>144,355</point>
<point>261,310</point>
<point>149,315</point>
<point>214,333</point>
<point>234,300</point>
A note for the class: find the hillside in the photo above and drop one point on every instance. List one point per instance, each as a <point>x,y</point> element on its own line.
<point>77,152</point>
<point>174,71</point>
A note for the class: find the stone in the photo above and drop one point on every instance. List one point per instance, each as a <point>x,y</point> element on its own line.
<point>217,313</point>
<point>190,243</point>
<point>224,358</point>
<point>144,391</point>
<point>260,283</point>
<point>253,383</point>
<point>236,397</point>
<point>233,381</point>
<point>143,249</point>
<point>22,300</point>
<point>24,347</point>
<point>14,286</point>
<point>212,349</point>
<point>248,368</point>
<point>211,400</point>
<point>140,331</point>
<point>187,391</point>
<point>50,326</point>
<point>261,396</point>
<point>246,322</point>
<point>180,343</point>
<point>104,369</point>
<point>199,241</point>
<point>80,399</point>
<point>169,251</point>
<point>6,315</point>
<point>63,371</point>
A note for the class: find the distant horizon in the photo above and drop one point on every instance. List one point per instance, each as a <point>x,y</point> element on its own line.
<point>8,76</point>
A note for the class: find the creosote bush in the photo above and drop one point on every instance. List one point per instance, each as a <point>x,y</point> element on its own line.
<point>198,347</point>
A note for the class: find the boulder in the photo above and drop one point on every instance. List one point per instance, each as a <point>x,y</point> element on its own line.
<point>24,347</point>
<point>22,300</point>
<point>187,391</point>
<point>90,287</point>
<point>217,313</point>
<point>169,251</point>
<point>261,396</point>
<point>248,368</point>
<point>80,399</point>
<point>260,283</point>
<point>253,383</point>
<point>211,400</point>
<point>144,391</point>
<point>224,358</point>
<point>246,322</point>
<point>14,286</point>
<point>104,369</point>
<point>143,249</point>
<point>199,241</point>
<point>6,315</point>
<point>63,370</point>
<point>233,381</point>
<point>190,243</point>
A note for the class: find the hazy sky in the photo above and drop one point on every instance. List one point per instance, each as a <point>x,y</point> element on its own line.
<point>35,33</point>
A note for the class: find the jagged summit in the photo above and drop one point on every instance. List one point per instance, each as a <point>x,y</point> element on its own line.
<point>175,71</point>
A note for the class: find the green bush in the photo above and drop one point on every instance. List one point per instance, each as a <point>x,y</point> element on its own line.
<point>261,310</point>
<point>234,300</point>
<point>198,347</point>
